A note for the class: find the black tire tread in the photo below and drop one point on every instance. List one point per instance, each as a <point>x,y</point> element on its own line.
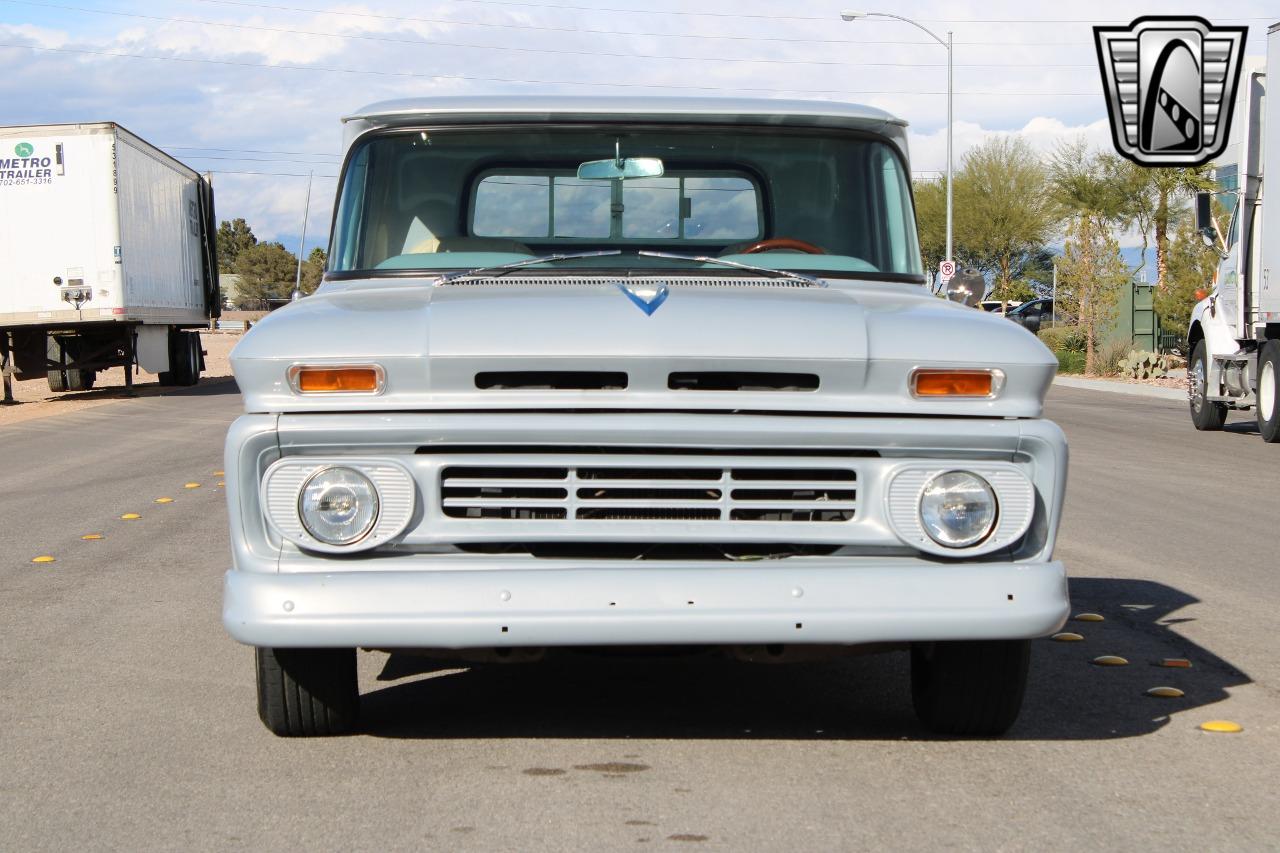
<point>307,692</point>
<point>1270,430</point>
<point>1212,415</point>
<point>971,687</point>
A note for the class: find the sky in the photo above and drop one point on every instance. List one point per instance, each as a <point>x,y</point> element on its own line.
<point>253,91</point>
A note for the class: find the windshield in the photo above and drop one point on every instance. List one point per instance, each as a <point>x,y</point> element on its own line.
<point>783,199</point>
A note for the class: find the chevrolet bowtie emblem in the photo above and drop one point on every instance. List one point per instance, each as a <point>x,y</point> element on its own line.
<point>1170,85</point>
<point>648,298</point>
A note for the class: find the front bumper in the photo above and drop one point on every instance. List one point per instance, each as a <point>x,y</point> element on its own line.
<point>574,603</point>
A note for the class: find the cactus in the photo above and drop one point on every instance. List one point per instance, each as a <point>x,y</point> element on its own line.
<point>1145,365</point>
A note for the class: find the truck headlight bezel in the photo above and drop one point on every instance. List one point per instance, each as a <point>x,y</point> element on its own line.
<point>282,492</point>
<point>1014,495</point>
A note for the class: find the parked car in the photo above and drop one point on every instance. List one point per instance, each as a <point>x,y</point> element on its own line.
<point>637,372</point>
<point>1035,315</point>
<point>997,306</point>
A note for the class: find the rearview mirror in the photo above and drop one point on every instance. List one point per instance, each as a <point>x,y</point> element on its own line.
<point>620,168</point>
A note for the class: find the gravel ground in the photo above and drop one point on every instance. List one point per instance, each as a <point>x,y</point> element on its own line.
<point>35,400</point>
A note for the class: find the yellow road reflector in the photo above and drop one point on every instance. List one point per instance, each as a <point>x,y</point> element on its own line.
<point>1110,660</point>
<point>164,500</point>
<point>1177,663</point>
<point>1089,617</point>
<point>191,485</point>
<point>1067,637</point>
<point>89,536</point>
<point>218,473</point>
<point>130,516</point>
<point>1221,726</point>
<point>1166,693</point>
<point>43,558</point>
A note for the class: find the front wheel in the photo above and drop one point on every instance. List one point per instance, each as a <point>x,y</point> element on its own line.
<point>1269,391</point>
<point>969,687</point>
<point>1205,414</point>
<point>307,692</point>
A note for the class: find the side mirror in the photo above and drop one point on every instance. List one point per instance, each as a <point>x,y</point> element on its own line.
<point>967,287</point>
<point>1204,219</point>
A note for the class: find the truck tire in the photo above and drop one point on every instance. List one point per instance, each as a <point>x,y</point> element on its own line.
<point>1269,391</point>
<point>67,380</point>
<point>1206,415</point>
<point>969,687</point>
<point>307,692</point>
<point>184,359</point>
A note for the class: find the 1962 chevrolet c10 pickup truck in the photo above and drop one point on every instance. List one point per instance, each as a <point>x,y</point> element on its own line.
<point>638,372</point>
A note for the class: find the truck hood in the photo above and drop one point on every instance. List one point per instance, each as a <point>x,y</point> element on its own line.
<point>848,347</point>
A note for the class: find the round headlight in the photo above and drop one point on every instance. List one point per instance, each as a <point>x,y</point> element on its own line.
<point>338,506</point>
<point>958,509</point>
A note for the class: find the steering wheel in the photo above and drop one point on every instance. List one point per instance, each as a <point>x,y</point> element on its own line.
<point>783,243</point>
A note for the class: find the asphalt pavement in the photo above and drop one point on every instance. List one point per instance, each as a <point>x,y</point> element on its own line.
<point>128,721</point>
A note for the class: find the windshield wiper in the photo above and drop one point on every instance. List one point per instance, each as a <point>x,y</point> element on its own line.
<point>707,259</point>
<point>515,265</point>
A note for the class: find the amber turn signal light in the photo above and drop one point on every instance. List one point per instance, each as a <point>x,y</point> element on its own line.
<point>337,379</point>
<point>955,383</point>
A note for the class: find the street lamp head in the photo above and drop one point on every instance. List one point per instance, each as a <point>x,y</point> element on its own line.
<point>852,15</point>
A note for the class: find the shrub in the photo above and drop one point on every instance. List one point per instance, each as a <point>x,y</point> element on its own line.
<point>1063,339</point>
<point>1070,362</point>
<point>1110,356</point>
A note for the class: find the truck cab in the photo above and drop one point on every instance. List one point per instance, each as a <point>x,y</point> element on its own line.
<point>637,372</point>
<point>1233,339</point>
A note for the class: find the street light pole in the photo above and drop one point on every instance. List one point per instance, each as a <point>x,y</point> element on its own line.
<point>850,15</point>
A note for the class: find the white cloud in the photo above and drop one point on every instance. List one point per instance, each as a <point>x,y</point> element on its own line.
<point>1012,76</point>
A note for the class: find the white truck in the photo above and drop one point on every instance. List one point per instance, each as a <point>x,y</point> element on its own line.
<point>1233,339</point>
<point>107,257</point>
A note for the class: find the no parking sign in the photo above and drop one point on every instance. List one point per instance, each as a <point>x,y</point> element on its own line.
<point>946,270</point>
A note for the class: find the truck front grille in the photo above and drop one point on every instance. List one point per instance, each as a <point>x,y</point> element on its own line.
<point>651,494</point>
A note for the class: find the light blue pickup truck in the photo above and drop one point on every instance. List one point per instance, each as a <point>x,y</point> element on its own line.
<point>638,372</point>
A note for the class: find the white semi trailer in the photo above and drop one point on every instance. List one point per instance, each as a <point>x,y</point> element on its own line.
<point>1233,340</point>
<point>107,257</point>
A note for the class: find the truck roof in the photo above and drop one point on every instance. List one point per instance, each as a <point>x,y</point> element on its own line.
<point>711,110</point>
<point>549,108</point>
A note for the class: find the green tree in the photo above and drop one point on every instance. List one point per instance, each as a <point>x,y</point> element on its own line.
<point>233,238</point>
<point>1155,198</point>
<point>931,220</point>
<point>1091,276</point>
<point>266,271</point>
<point>1008,212</point>
<point>313,270</point>
<point>1191,266</point>
<point>1084,185</point>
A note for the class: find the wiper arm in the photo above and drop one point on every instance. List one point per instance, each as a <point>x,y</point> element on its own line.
<point>707,259</point>
<point>515,265</point>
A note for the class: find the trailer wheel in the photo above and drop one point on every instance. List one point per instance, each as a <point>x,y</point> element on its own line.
<point>184,359</point>
<point>969,687</point>
<point>307,692</point>
<point>1205,414</point>
<point>1269,392</point>
<point>72,379</point>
